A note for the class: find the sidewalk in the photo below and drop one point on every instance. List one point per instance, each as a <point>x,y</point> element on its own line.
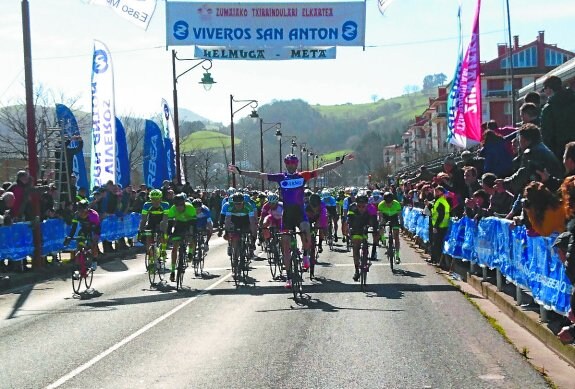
<point>12,279</point>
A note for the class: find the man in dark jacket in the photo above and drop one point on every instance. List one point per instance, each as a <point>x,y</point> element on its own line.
<point>558,115</point>
<point>554,183</point>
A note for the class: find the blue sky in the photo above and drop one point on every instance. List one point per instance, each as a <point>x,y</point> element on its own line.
<point>413,39</point>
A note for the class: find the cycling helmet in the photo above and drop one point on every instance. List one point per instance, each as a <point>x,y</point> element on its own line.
<point>273,198</point>
<point>180,199</point>
<point>325,193</point>
<point>376,193</point>
<point>156,194</point>
<point>238,198</point>
<point>353,191</point>
<point>307,192</point>
<point>388,197</point>
<point>291,158</point>
<point>83,204</point>
<point>231,190</point>
<point>197,203</point>
<point>361,199</point>
<point>314,200</point>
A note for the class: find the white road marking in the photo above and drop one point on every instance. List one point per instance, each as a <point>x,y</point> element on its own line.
<point>133,336</point>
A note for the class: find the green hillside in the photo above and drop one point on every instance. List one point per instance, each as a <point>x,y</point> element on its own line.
<point>330,157</point>
<point>206,140</point>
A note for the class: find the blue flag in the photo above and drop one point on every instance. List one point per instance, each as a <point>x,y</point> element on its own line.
<point>69,125</point>
<point>154,155</point>
<point>122,160</point>
<point>170,159</point>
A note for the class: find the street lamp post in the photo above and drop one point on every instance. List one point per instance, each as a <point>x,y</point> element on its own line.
<point>277,126</point>
<point>293,145</point>
<point>207,81</point>
<point>302,150</point>
<point>279,137</point>
<point>310,152</point>
<point>253,115</point>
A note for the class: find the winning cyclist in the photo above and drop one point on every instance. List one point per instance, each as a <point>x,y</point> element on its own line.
<point>359,220</point>
<point>390,210</point>
<point>89,222</point>
<point>204,223</point>
<point>292,184</point>
<point>155,218</point>
<point>183,217</point>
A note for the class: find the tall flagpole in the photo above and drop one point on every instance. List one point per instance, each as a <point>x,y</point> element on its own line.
<point>511,70</point>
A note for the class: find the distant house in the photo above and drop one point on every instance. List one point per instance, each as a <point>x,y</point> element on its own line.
<point>530,62</point>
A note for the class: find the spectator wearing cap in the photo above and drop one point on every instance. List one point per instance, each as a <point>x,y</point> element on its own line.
<point>558,115</point>
<point>468,159</point>
<point>496,156</point>
<point>563,245</point>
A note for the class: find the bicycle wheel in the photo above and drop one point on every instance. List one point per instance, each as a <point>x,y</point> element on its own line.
<point>244,260</point>
<point>152,264</point>
<point>390,253</point>
<point>77,275</point>
<point>197,259</point>
<point>363,272</point>
<point>312,258</point>
<point>296,277</point>
<point>89,278</point>
<point>271,260</point>
<point>181,265</point>
<point>147,258</point>
<point>330,237</point>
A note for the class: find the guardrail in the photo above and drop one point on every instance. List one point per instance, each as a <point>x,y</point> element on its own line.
<point>16,240</point>
<point>528,262</point>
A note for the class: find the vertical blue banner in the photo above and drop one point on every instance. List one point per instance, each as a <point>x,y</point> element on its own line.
<point>69,125</point>
<point>122,159</point>
<point>170,159</point>
<point>154,155</point>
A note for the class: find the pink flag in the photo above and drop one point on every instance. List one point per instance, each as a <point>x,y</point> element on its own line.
<point>467,124</point>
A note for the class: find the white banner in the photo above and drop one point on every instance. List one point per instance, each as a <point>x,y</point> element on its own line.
<point>103,161</point>
<point>258,25</point>
<point>138,12</point>
<point>170,129</point>
<point>264,54</point>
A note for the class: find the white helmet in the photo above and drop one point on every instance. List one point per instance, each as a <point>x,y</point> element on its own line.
<point>353,191</point>
<point>325,193</point>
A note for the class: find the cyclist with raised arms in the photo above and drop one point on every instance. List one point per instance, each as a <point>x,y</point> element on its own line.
<point>182,215</point>
<point>390,210</point>
<point>359,220</point>
<point>89,222</point>
<point>155,218</point>
<point>292,183</point>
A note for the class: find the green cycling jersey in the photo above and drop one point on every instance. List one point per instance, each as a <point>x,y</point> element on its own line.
<point>188,214</point>
<point>389,210</point>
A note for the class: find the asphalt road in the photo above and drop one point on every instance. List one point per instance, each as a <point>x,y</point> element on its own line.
<point>409,330</point>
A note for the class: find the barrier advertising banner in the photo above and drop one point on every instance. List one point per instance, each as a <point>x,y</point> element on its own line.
<point>257,25</point>
<point>263,54</point>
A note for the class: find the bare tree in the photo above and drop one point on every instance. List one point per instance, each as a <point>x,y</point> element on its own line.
<point>135,139</point>
<point>205,170</point>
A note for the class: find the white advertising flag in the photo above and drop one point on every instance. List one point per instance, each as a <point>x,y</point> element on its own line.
<point>138,12</point>
<point>103,161</point>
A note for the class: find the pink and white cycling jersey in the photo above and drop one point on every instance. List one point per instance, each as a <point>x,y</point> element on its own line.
<point>318,216</point>
<point>276,212</point>
<point>372,209</point>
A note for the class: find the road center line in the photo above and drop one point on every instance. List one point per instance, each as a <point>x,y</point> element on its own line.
<point>133,336</point>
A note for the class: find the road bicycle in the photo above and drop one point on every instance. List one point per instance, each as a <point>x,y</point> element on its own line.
<point>329,238</point>
<point>182,261</point>
<point>240,256</point>
<point>364,262</point>
<point>273,253</point>
<point>390,250</point>
<point>155,263</point>
<point>200,253</point>
<point>295,268</point>
<point>83,260</point>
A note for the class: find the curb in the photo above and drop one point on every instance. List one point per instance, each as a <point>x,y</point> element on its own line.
<point>528,320</point>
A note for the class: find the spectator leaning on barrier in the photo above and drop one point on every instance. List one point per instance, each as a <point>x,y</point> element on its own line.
<point>439,222</point>
<point>544,210</point>
<point>470,176</point>
<point>558,115</point>
<point>501,200</point>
